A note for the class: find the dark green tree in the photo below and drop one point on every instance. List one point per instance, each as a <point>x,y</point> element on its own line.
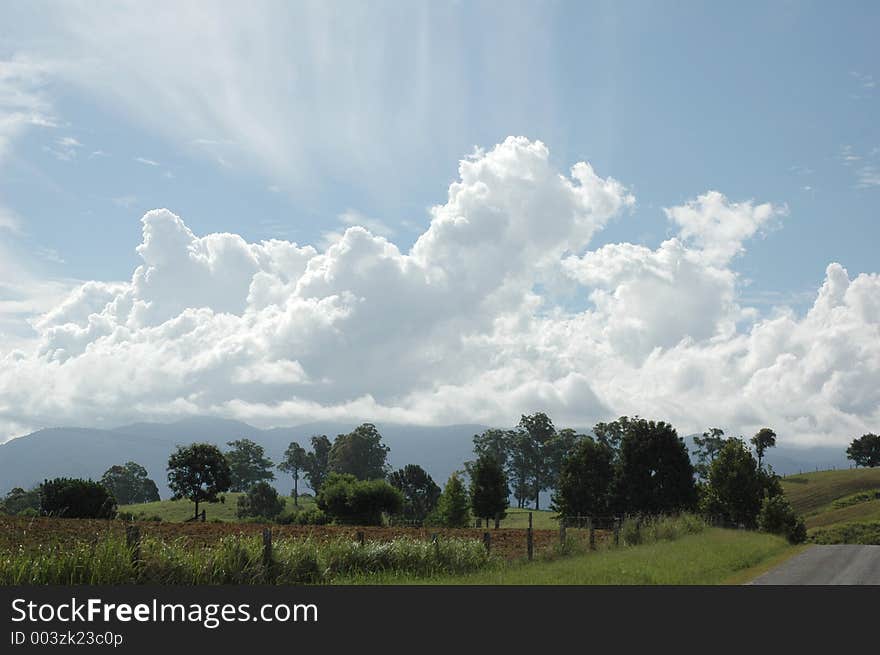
<point>318,462</point>
<point>420,492</point>
<point>865,451</point>
<point>72,498</point>
<point>295,461</point>
<point>519,467</point>
<point>260,501</point>
<point>489,491</point>
<point>248,464</point>
<point>198,472</point>
<point>494,443</point>
<point>611,433</point>
<point>540,450</point>
<point>360,453</point>
<point>358,502</point>
<point>130,484</point>
<point>708,447</point>
<point>735,486</point>
<point>19,500</point>
<point>586,481</point>
<point>655,475</point>
<point>452,508</point>
<point>764,439</point>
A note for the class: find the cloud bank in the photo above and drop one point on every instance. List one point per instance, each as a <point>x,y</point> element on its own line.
<point>499,308</point>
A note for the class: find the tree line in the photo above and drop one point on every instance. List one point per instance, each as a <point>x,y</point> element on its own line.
<point>626,466</point>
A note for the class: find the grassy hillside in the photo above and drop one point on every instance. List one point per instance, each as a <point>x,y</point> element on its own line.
<point>176,511</point>
<point>838,506</point>
<point>714,556</point>
<point>812,493</point>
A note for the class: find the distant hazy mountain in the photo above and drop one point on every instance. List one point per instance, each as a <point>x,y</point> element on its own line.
<point>84,452</point>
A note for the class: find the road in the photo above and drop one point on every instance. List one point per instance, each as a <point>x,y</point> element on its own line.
<point>828,565</point>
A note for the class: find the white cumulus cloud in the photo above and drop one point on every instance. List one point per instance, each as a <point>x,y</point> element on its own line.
<point>457,328</point>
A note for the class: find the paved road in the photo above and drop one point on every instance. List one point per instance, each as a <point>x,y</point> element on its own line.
<point>828,565</point>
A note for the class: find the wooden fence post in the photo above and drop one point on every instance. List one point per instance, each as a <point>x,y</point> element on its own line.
<point>360,537</point>
<point>529,539</point>
<point>267,552</point>
<point>487,541</point>
<point>592,533</point>
<point>133,542</point>
<point>562,531</point>
<point>616,531</point>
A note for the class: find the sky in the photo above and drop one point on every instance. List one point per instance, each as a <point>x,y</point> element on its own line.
<point>441,212</point>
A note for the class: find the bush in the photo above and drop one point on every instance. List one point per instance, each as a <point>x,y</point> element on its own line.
<point>778,517</point>
<point>310,516</point>
<point>358,502</point>
<point>76,499</point>
<point>261,501</point>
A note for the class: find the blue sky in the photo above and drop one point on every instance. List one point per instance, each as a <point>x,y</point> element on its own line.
<point>294,121</point>
<point>758,100</point>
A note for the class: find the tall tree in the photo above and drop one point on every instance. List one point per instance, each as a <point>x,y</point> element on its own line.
<point>708,447</point>
<point>764,439</point>
<point>541,434</point>
<point>489,490</point>
<point>453,506</point>
<point>519,467</point>
<point>586,480</point>
<point>493,443</point>
<point>655,472</point>
<point>865,451</point>
<point>318,462</point>
<point>735,486</point>
<point>129,484</point>
<point>360,453</point>
<point>295,460</point>
<point>611,433</point>
<point>420,492</point>
<point>198,472</point>
<point>248,464</point>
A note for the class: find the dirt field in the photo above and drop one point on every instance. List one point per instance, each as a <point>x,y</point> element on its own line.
<point>32,533</point>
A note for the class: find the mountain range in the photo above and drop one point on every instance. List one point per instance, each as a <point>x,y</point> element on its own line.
<point>88,452</point>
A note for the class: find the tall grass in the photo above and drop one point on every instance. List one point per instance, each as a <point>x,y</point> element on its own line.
<point>647,530</point>
<point>238,560</point>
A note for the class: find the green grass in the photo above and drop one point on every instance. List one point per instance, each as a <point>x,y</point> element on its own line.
<point>713,556</point>
<point>238,560</point>
<point>863,532</point>
<point>838,506</point>
<point>812,493</point>
<point>176,511</point>
<point>541,519</point>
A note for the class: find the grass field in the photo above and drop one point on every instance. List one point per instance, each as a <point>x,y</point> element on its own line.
<point>714,556</point>
<point>811,493</point>
<point>838,506</point>
<point>177,511</point>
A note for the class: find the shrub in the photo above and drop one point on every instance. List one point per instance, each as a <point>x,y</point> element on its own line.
<point>261,501</point>
<point>77,499</point>
<point>778,517</point>
<point>358,502</point>
<point>310,516</point>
